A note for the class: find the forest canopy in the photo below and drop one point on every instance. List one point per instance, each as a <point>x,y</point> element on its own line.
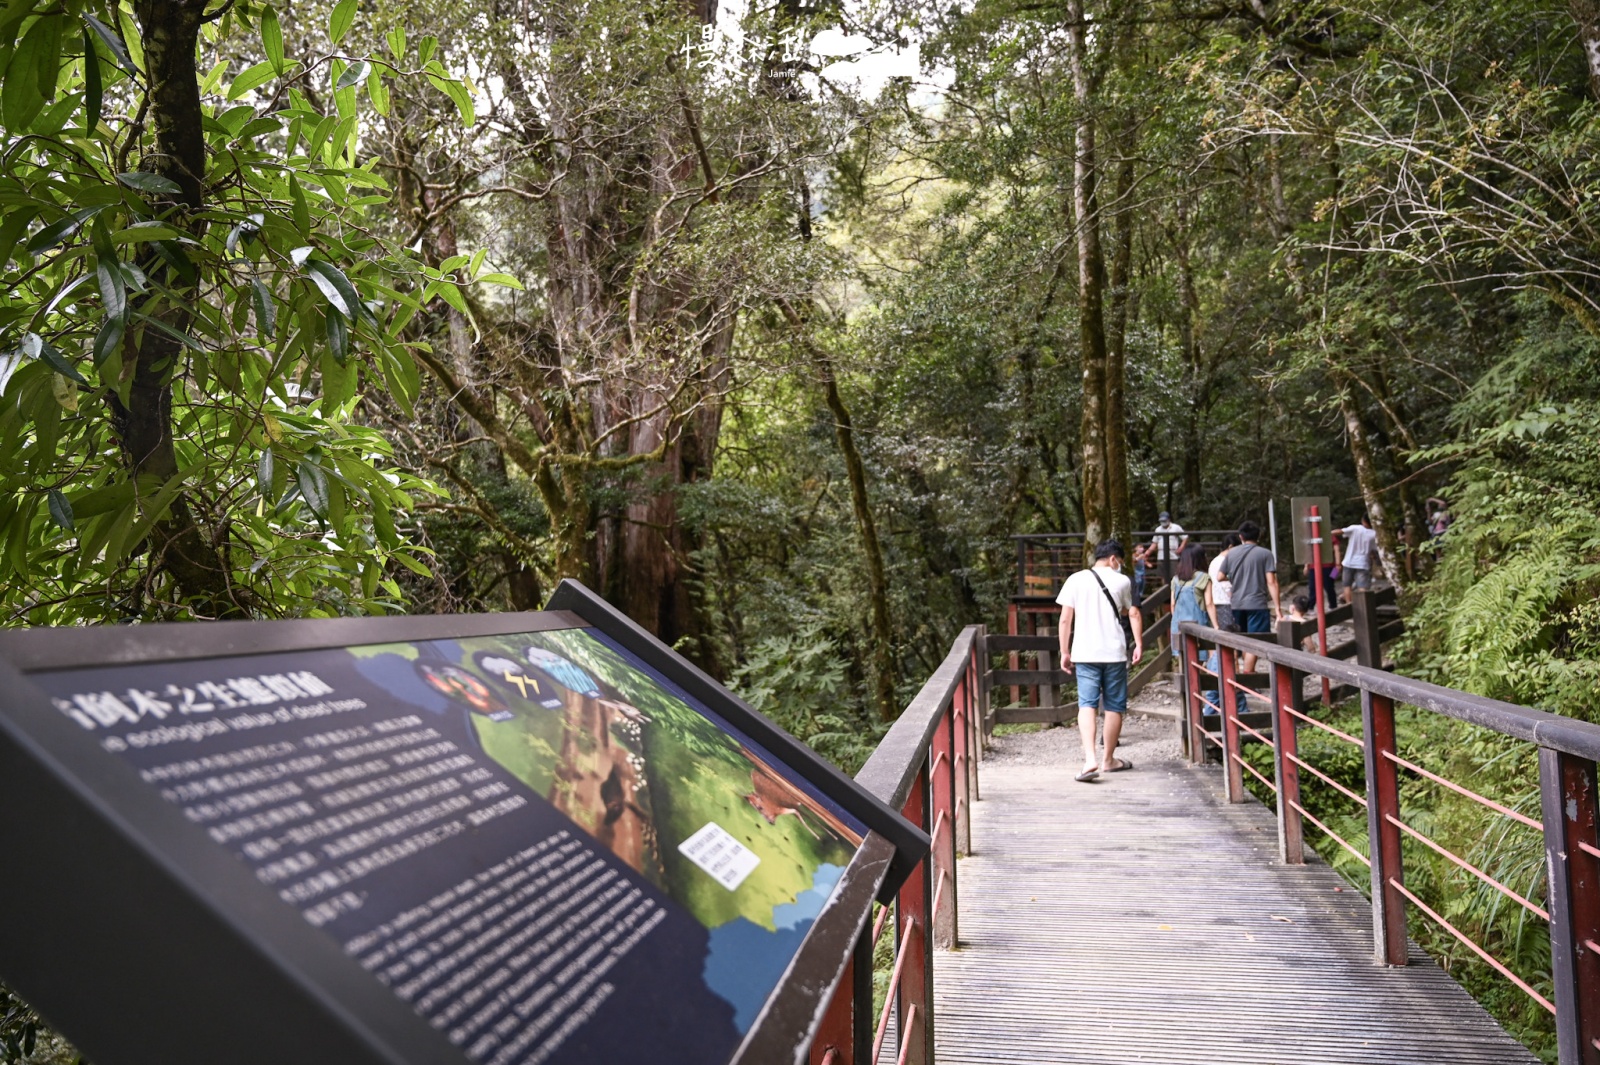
<point>374,307</point>
<point>773,321</point>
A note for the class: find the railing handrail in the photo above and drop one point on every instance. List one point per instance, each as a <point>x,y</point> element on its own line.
<point>1565,734</point>
<point>891,769</point>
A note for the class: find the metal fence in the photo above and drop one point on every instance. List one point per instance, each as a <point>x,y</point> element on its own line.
<point>926,767</point>
<point>1570,815</point>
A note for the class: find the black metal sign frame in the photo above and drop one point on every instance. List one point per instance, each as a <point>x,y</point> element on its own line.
<point>143,940</point>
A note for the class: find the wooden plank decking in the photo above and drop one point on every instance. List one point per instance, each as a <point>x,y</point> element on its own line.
<point>1143,919</point>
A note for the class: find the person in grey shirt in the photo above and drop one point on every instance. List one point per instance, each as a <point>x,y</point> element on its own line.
<point>1253,572</point>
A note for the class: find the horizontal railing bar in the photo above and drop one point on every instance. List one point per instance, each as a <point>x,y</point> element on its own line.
<point>1244,689</point>
<point>1028,678</point>
<point>906,1042</point>
<point>1325,778</point>
<point>1253,771</point>
<point>1258,735</point>
<point>1324,726</point>
<point>1340,840</point>
<point>1003,642</point>
<point>1464,864</point>
<point>1565,734</point>
<point>1494,963</point>
<point>900,955</point>
<point>1459,790</point>
<point>1589,848</point>
<point>893,765</point>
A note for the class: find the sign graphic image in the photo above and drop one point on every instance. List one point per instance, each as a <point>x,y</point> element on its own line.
<point>545,848</point>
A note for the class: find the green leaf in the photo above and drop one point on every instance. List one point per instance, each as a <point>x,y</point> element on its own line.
<point>107,339</point>
<point>266,309</point>
<point>453,89</point>
<point>425,49</point>
<point>93,87</point>
<point>56,232</point>
<point>144,181</point>
<point>338,338</point>
<point>265,467</point>
<point>20,98</point>
<point>302,210</point>
<point>313,482</point>
<point>377,91</point>
<point>54,359</point>
<point>501,279</point>
<point>252,78</point>
<point>337,289</point>
<point>144,232</point>
<point>352,75</point>
<point>272,39</point>
<point>113,43</point>
<point>60,509</point>
<point>344,13</point>
<point>12,226</point>
<point>397,43</point>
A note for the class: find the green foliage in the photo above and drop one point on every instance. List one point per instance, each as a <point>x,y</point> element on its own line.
<point>265,280</point>
<point>24,1038</point>
<point>798,680</point>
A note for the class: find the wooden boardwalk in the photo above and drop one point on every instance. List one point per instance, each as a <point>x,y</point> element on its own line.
<point>1143,919</point>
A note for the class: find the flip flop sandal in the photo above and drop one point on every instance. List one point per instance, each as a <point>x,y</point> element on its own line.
<point>1086,776</point>
<point>1121,766</point>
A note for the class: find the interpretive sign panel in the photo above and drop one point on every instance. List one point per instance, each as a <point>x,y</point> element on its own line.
<point>537,841</point>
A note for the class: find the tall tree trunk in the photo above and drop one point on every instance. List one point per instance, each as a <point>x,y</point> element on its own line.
<point>1368,478</point>
<point>1199,375</point>
<point>1091,288</point>
<point>1117,353</point>
<point>883,671</point>
<point>170,31</point>
<point>1586,13</point>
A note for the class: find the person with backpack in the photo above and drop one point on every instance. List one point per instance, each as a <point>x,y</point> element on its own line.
<point>1189,586</point>
<point>1100,636</point>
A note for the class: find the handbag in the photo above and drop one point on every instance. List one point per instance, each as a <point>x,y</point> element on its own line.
<point>1127,626</point>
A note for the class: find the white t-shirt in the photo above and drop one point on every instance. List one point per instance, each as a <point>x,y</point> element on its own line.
<point>1096,628</point>
<point>1164,544</point>
<point>1221,590</point>
<point>1358,546</point>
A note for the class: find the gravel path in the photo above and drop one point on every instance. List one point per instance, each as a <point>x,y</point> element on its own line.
<point>1149,735</point>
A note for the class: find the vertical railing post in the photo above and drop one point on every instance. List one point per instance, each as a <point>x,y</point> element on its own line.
<point>1192,701</point>
<point>942,773</point>
<point>838,1034</point>
<point>961,720</point>
<point>913,907</point>
<point>1233,771</point>
<point>1364,620</point>
<point>1291,840</point>
<point>1567,788</point>
<point>1383,832</point>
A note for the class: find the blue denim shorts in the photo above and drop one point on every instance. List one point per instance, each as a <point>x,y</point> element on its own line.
<point>1107,680</point>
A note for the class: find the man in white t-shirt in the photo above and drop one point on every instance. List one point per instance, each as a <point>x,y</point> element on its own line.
<point>1360,543</point>
<point>1094,647</point>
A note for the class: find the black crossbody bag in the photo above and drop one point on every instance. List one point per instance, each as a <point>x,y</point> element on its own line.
<point>1127,626</point>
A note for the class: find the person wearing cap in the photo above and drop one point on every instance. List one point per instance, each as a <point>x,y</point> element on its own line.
<point>1167,544</point>
<point>1097,646</point>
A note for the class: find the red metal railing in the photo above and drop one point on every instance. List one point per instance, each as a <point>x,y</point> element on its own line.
<point>927,767</point>
<point>1567,751</point>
